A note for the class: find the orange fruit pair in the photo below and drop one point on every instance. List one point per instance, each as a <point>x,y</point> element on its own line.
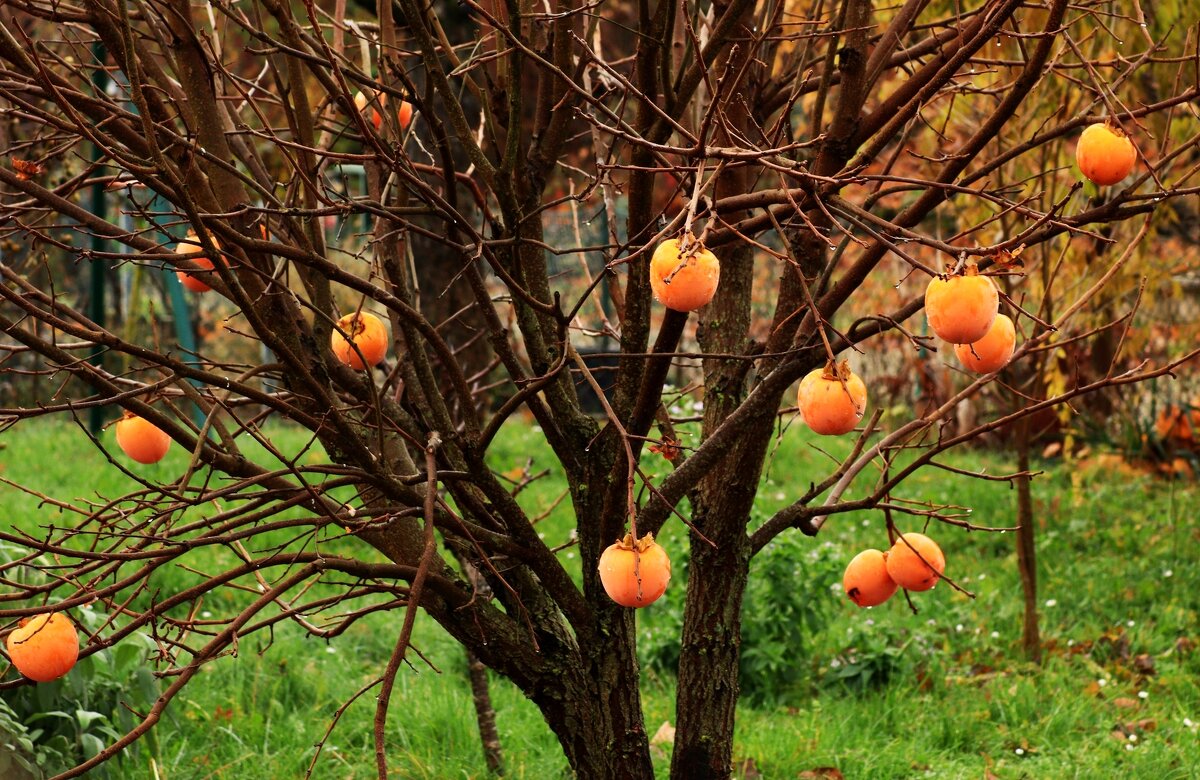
<point>915,562</point>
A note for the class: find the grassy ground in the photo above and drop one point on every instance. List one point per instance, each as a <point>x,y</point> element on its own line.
<point>877,694</point>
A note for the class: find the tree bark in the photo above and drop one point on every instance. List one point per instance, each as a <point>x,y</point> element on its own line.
<point>595,710</point>
<point>1026,553</point>
<point>485,714</point>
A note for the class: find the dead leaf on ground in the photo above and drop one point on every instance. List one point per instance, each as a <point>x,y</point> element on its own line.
<point>1125,703</point>
<point>747,770</point>
<point>822,773</point>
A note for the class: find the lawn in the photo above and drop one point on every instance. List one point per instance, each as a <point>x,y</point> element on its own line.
<point>877,694</point>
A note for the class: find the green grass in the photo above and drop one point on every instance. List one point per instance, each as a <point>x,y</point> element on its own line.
<point>950,696</point>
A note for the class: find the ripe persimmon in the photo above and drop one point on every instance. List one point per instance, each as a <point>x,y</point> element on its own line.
<point>687,281</point>
<point>361,101</point>
<point>832,399</point>
<point>961,308</point>
<point>44,647</point>
<point>1105,154</point>
<point>635,580</point>
<point>915,562</point>
<point>867,581</point>
<point>367,332</point>
<point>141,439</point>
<point>194,280</point>
<point>403,113</point>
<point>993,351</point>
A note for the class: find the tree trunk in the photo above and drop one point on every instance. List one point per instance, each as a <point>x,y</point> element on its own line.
<point>485,714</point>
<point>709,651</point>
<point>1026,554</point>
<point>595,710</point>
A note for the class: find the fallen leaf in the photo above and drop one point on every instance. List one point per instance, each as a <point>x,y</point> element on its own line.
<point>747,770</point>
<point>1125,703</point>
<point>822,773</point>
<point>1144,664</point>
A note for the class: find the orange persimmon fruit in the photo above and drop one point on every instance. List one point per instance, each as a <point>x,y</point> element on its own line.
<point>192,280</point>
<point>867,581</point>
<point>1105,154</point>
<point>635,580</point>
<point>44,647</point>
<point>993,351</point>
<point>367,332</point>
<point>361,101</point>
<point>915,562</point>
<point>961,308</point>
<point>832,399</point>
<point>684,280</point>
<point>142,440</point>
<point>403,113</point>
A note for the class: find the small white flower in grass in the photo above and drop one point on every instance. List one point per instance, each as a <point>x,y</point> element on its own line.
<point>570,555</point>
<point>870,622</point>
<point>206,614</point>
<point>1133,737</point>
<point>1168,573</point>
<point>995,635</point>
<point>1102,682</point>
<point>958,627</point>
<point>931,622</point>
<point>1070,643</point>
<point>981,576</point>
<point>1051,602</point>
<point>1020,751</point>
<point>835,663</point>
<point>1143,694</point>
<point>1187,723</point>
<point>866,523</point>
<point>1129,623</point>
<point>536,429</point>
<point>698,406</point>
<point>780,496</point>
<point>330,649</point>
<point>1128,746</point>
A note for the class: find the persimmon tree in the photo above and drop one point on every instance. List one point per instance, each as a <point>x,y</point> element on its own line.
<point>834,156</point>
